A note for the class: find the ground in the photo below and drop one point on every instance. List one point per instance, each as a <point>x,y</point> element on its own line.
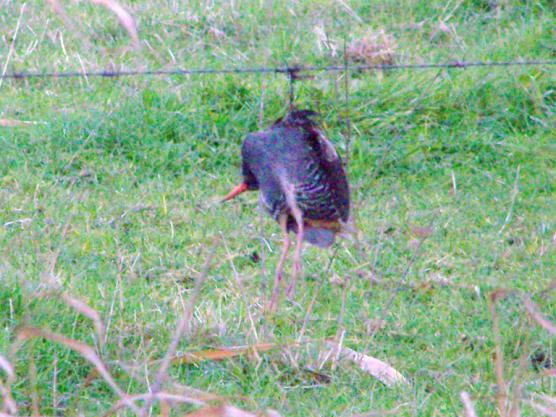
<point>113,192</point>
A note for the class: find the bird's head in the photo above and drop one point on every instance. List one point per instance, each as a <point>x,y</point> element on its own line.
<point>249,183</point>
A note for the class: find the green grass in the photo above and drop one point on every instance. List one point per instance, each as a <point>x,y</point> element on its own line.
<point>136,166</point>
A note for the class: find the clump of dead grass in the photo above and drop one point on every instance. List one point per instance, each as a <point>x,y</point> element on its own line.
<point>373,48</point>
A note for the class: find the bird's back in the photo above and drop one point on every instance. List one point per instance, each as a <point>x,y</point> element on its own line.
<point>294,153</point>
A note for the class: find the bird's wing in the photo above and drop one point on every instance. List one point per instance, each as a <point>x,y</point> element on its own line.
<point>327,149</point>
<point>336,176</point>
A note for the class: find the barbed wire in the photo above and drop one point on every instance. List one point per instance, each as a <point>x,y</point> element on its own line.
<point>292,71</point>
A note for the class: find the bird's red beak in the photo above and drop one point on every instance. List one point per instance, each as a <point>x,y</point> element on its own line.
<point>236,191</point>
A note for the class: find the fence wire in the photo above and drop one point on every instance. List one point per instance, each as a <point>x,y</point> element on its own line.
<point>294,72</point>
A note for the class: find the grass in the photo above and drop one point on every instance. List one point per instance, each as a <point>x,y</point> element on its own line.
<point>115,192</point>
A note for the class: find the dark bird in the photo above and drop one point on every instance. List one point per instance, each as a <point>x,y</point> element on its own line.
<point>302,184</point>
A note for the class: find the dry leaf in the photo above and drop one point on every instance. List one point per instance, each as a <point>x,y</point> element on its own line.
<point>534,312</point>
<point>222,353</point>
<point>125,18</point>
<point>380,370</point>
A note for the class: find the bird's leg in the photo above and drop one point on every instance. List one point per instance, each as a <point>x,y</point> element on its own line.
<point>298,216</point>
<point>283,220</point>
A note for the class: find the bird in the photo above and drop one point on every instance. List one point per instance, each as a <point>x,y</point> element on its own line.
<point>302,184</point>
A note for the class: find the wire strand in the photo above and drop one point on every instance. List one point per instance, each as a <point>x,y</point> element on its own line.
<point>277,70</point>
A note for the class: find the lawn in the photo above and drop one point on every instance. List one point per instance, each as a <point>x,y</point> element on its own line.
<point>111,194</point>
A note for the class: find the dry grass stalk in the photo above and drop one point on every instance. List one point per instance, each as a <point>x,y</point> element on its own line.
<point>12,45</point>
<point>78,305</point>
<point>84,351</point>
<point>402,280</point>
<point>16,123</point>
<point>86,310</point>
<point>164,408</point>
<point>8,403</point>
<point>55,384</point>
<point>341,314</point>
<point>181,329</point>
<point>515,403</point>
<point>160,396</point>
<point>552,285</point>
<point>501,396</point>
<point>549,400</point>
<point>374,48</point>
<point>196,393</point>
<point>7,367</point>
<point>313,301</point>
<point>33,386</point>
<point>241,292</point>
<point>467,404</point>
<point>515,192</point>
<point>547,407</point>
<point>349,10</point>
<point>536,315</point>
<point>125,18</point>
<point>65,230</point>
<point>375,367</point>
<point>323,41</point>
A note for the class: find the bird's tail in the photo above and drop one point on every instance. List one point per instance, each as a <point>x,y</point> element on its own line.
<point>319,236</point>
<point>324,236</point>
